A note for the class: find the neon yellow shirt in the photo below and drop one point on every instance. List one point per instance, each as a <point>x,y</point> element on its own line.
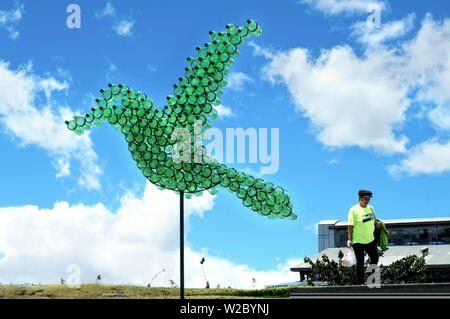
<point>363,222</point>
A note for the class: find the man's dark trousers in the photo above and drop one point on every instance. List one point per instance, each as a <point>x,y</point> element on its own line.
<point>372,251</point>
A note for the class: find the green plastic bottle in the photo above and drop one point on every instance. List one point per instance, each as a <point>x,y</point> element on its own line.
<point>71,125</point>
<point>252,25</point>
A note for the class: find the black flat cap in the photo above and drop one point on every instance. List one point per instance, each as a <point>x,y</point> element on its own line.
<point>364,192</point>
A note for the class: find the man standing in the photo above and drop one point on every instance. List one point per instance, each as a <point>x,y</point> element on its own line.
<point>361,225</point>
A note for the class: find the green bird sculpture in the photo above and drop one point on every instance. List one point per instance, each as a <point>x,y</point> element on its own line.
<point>178,161</point>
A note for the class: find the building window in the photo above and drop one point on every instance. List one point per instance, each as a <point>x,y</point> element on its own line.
<point>400,237</point>
<point>443,235</point>
<point>342,237</point>
<point>422,236</point>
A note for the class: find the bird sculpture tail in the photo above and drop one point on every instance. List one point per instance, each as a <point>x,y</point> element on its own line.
<point>260,196</point>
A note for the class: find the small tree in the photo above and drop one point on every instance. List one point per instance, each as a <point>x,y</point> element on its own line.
<point>172,283</point>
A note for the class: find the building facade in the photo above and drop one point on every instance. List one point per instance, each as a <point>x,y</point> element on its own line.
<point>405,232</point>
<point>408,237</point>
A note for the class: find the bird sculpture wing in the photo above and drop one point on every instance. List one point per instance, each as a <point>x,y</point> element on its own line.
<point>196,94</point>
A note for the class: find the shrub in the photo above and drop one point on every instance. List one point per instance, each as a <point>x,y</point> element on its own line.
<point>331,272</point>
<point>410,269</point>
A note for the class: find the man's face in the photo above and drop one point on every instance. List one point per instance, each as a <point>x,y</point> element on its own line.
<point>364,199</point>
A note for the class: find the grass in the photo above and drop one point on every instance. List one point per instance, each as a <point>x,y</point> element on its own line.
<point>101,291</point>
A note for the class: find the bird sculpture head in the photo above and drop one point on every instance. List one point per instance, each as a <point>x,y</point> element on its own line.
<point>164,141</point>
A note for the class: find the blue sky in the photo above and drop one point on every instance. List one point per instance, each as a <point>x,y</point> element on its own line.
<point>356,107</point>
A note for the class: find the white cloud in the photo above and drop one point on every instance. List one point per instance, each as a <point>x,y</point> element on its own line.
<point>123,28</point>
<point>313,228</point>
<point>223,111</point>
<point>151,68</point>
<point>62,166</point>
<point>440,116</point>
<point>351,101</point>
<point>333,161</point>
<point>50,84</point>
<point>236,80</point>
<point>430,157</point>
<point>34,122</point>
<point>108,10</point>
<point>362,100</point>
<point>374,37</point>
<point>128,246</point>
<point>350,7</point>
<point>10,19</point>
<point>112,72</point>
<point>429,67</point>
<point>262,51</point>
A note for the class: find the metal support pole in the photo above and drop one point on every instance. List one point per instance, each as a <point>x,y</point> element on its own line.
<point>181,245</point>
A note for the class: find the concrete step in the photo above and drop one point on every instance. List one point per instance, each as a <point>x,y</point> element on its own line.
<point>433,290</point>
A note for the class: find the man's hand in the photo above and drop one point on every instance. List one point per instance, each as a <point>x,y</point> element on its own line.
<point>349,243</point>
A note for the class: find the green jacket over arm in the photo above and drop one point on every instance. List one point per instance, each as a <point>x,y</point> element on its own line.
<point>384,235</point>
